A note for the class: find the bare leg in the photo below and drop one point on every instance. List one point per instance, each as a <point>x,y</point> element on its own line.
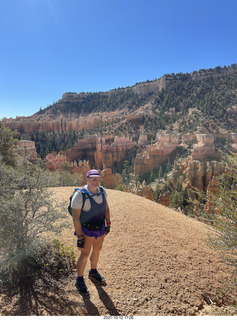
<point>81,264</point>
<point>97,246</point>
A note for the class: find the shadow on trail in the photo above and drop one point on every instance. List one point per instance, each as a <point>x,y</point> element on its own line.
<point>45,298</point>
<point>90,307</point>
<point>108,303</point>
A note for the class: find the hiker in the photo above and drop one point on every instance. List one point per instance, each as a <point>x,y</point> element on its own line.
<point>91,218</point>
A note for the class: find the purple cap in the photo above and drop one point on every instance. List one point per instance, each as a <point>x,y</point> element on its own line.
<point>93,173</point>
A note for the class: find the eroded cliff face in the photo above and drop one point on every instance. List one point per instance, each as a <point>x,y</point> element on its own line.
<point>166,147</point>
<point>195,173</point>
<point>141,89</point>
<point>102,152</point>
<point>111,180</point>
<point>140,189</point>
<point>59,162</point>
<point>59,125</point>
<point>56,161</point>
<point>203,147</point>
<point>64,116</point>
<point>53,119</point>
<point>108,153</point>
<point>26,149</point>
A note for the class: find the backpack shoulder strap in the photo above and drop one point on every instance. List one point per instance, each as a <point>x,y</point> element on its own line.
<point>102,190</point>
<point>84,197</point>
<point>70,201</point>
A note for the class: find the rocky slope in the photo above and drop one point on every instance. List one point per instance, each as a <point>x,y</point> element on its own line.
<point>156,262</point>
<point>198,94</point>
<point>108,151</point>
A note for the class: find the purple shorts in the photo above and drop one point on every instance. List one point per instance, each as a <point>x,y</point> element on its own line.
<point>92,233</point>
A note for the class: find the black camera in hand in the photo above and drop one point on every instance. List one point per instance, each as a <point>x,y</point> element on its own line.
<point>107,229</point>
<point>80,242</point>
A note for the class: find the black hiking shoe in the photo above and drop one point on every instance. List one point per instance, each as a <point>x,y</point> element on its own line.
<point>81,287</point>
<point>96,277</point>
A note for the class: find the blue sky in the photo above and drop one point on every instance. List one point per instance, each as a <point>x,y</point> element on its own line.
<point>49,47</point>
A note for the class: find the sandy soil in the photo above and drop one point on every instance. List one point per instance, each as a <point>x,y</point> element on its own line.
<point>155,260</point>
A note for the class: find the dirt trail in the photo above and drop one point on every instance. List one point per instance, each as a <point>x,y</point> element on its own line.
<point>155,261</point>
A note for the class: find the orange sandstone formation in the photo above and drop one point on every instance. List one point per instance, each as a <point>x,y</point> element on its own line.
<point>27,148</point>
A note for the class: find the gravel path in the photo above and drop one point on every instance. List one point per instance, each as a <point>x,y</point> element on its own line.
<point>155,261</point>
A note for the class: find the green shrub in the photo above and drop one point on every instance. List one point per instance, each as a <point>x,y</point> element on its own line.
<point>8,142</point>
<point>60,258</point>
<point>222,214</point>
<point>52,260</point>
<point>119,187</point>
<point>28,213</point>
<point>60,179</point>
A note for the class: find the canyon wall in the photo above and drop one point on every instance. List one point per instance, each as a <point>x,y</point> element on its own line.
<point>53,119</point>
<point>140,189</point>
<point>110,180</point>
<point>195,173</point>
<point>108,153</point>
<point>59,162</point>
<point>26,149</point>
<point>203,147</point>
<point>58,125</point>
<point>165,147</point>
<point>102,152</point>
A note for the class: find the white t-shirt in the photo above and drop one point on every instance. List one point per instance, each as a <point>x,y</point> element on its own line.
<point>77,200</point>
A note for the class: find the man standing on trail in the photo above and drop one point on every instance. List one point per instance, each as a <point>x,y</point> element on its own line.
<point>90,211</point>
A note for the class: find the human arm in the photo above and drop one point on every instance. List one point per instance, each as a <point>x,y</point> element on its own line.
<point>77,225</point>
<point>107,214</point>
<point>107,219</point>
<point>76,221</point>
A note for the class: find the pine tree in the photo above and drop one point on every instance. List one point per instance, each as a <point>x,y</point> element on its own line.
<point>157,193</point>
<point>8,142</point>
<point>222,213</point>
<point>152,176</point>
<point>176,199</point>
<point>160,174</point>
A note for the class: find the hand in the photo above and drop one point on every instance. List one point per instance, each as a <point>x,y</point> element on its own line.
<point>107,230</point>
<point>80,242</point>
